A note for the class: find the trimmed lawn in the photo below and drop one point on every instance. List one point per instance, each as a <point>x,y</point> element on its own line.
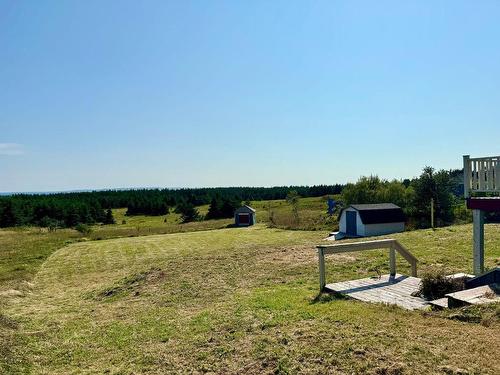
<point>238,301</point>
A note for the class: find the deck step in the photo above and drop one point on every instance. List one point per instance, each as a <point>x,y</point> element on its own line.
<point>334,236</point>
<point>440,303</point>
<point>392,290</point>
<point>476,296</point>
<point>487,278</point>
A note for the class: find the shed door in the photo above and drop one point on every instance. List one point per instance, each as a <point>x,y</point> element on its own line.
<point>351,223</point>
<point>244,218</point>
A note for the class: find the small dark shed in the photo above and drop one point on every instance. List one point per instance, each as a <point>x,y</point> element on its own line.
<point>244,216</point>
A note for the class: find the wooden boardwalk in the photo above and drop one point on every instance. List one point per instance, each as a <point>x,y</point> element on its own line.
<point>395,290</point>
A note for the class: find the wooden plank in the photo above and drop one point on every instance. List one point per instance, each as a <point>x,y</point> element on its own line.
<point>440,303</point>
<point>467,176</point>
<point>322,277</point>
<point>387,297</point>
<point>356,246</point>
<point>392,260</point>
<point>489,176</point>
<point>389,290</point>
<point>391,244</point>
<point>497,176</point>
<point>408,256</point>
<point>481,174</point>
<point>486,158</point>
<point>476,296</point>
<point>478,237</point>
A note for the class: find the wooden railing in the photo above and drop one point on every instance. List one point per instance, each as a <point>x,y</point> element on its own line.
<point>390,244</point>
<point>481,175</point>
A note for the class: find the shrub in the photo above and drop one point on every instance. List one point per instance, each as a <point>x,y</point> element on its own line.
<point>47,222</point>
<point>83,229</point>
<point>462,214</point>
<point>292,199</point>
<point>435,284</point>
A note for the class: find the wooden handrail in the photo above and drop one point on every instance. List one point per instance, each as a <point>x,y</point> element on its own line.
<point>391,244</point>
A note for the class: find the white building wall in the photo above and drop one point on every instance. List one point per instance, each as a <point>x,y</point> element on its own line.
<point>385,228</point>
<point>369,229</point>
<point>360,228</point>
<point>342,222</point>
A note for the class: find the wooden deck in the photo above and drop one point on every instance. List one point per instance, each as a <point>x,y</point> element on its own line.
<point>395,290</point>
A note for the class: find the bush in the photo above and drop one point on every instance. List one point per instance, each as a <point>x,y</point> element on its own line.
<point>83,229</point>
<point>462,214</point>
<point>435,284</point>
<point>47,222</point>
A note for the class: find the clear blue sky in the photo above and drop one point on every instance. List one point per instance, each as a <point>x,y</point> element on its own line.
<point>103,94</point>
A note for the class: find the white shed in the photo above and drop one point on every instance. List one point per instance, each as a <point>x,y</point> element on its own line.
<point>364,220</point>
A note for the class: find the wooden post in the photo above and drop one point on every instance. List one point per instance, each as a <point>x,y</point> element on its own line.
<point>322,280</point>
<point>432,213</point>
<point>414,268</point>
<point>467,176</point>
<point>392,260</point>
<point>478,236</point>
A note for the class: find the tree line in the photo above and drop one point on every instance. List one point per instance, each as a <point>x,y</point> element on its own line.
<point>52,211</point>
<point>444,188</point>
<point>70,209</point>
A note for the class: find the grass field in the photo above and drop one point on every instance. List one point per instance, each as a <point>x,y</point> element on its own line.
<point>130,226</point>
<point>24,249</point>
<point>229,301</point>
<point>312,213</point>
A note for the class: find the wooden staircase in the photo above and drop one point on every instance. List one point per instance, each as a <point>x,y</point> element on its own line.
<point>479,290</point>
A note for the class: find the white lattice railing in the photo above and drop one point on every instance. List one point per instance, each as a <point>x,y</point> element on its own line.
<point>481,175</point>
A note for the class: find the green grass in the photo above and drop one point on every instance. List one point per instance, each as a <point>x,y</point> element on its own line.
<point>23,250</point>
<point>312,214</point>
<point>237,301</point>
<point>130,226</point>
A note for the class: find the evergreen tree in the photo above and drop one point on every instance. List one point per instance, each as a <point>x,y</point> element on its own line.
<point>7,215</point>
<point>188,212</point>
<point>109,219</point>
<point>221,208</point>
<point>214,210</point>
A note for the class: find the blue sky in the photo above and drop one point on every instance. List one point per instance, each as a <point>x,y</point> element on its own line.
<point>206,93</point>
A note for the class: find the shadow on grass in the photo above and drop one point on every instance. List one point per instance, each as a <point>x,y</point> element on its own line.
<point>328,297</point>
